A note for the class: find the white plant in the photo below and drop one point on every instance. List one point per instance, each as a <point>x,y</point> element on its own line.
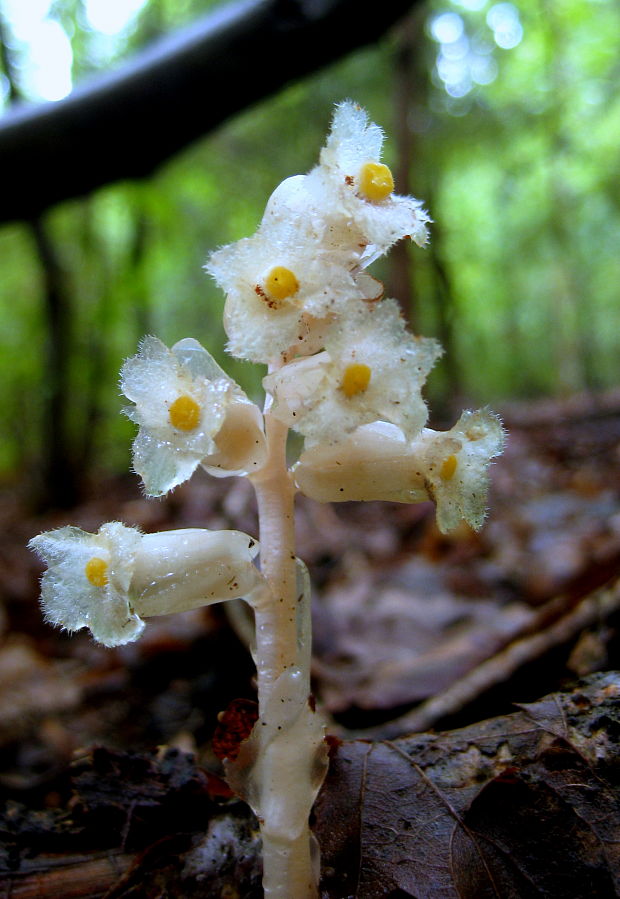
<point>109,581</point>
<point>346,374</point>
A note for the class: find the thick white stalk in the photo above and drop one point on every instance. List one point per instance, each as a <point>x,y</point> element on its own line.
<point>276,625</point>
<point>284,758</point>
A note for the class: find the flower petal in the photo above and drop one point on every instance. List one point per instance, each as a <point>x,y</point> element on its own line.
<point>71,600</point>
<point>313,396</point>
<point>182,399</point>
<point>461,492</point>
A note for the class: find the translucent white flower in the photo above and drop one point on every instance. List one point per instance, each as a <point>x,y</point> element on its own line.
<point>377,462</point>
<point>455,465</point>
<point>347,201</point>
<point>318,233</point>
<point>282,286</point>
<point>108,581</point>
<point>87,581</point>
<point>373,368</point>
<point>190,413</point>
<point>356,188</point>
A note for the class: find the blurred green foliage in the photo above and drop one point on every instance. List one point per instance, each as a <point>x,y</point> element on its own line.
<point>514,118</point>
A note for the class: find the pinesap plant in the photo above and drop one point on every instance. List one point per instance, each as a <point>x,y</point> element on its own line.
<point>346,374</point>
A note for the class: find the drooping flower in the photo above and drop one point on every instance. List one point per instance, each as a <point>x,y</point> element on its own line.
<point>377,462</point>
<point>372,368</point>
<point>109,581</point>
<point>190,413</point>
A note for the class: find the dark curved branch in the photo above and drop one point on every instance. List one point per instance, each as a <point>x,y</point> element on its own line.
<point>126,123</point>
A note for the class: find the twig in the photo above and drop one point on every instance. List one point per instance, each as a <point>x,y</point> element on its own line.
<point>126,123</point>
<point>595,607</point>
<point>58,879</point>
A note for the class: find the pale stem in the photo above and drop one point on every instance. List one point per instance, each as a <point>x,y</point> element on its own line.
<point>276,624</point>
<point>288,869</point>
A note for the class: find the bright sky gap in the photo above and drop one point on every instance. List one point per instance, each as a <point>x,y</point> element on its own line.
<point>44,50</point>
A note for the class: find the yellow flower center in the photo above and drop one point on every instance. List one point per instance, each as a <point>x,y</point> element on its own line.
<point>448,467</point>
<point>355,379</point>
<point>184,413</point>
<point>281,283</point>
<point>96,571</point>
<point>375,181</point>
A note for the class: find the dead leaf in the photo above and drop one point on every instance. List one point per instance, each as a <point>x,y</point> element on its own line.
<point>388,646</point>
<point>516,807</point>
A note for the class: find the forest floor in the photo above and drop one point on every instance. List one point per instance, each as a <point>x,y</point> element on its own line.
<point>103,753</point>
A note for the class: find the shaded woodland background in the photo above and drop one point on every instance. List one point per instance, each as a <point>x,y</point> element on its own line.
<point>505,118</point>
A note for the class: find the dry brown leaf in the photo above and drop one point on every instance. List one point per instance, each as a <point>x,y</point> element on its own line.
<point>389,646</point>
<point>516,807</point>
